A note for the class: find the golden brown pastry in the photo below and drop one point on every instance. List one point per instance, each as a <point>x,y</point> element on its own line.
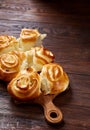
<point>7,44</point>
<point>53,79</point>
<point>25,86</point>
<point>20,62</point>
<point>41,56</point>
<point>10,64</point>
<point>30,38</point>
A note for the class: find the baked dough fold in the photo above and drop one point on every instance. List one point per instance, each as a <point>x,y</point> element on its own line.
<point>8,43</point>
<point>25,86</point>
<point>41,56</point>
<point>30,38</point>
<point>53,79</point>
<point>10,64</point>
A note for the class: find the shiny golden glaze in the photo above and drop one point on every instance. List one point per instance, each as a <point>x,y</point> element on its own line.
<point>6,42</point>
<point>29,35</point>
<point>9,61</point>
<point>43,55</point>
<point>54,72</point>
<point>54,79</point>
<point>25,86</point>
<point>9,65</point>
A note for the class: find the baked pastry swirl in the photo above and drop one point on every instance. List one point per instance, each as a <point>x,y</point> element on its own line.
<point>53,79</point>
<point>41,56</point>
<point>25,86</point>
<point>8,43</point>
<point>29,67</point>
<point>10,65</point>
<point>30,38</point>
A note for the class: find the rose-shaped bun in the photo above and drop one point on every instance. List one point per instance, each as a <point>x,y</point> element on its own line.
<point>25,86</point>
<point>10,65</point>
<point>41,56</point>
<point>8,43</point>
<point>30,38</point>
<point>53,79</point>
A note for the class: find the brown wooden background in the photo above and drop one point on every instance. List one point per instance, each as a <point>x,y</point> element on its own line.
<point>67,24</point>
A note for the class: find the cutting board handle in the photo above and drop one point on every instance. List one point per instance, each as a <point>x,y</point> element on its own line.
<point>53,114</point>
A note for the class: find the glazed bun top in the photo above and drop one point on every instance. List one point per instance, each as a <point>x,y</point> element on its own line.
<point>29,35</point>
<point>10,64</point>
<point>8,43</point>
<point>30,38</point>
<point>25,86</point>
<point>54,79</point>
<point>41,56</point>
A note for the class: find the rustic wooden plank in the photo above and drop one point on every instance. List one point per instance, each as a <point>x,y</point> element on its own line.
<point>67,24</point>
<point>45,10</point>
<point>40,12</point>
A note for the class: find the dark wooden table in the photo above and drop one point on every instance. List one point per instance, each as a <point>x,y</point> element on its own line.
<point>67,24</point>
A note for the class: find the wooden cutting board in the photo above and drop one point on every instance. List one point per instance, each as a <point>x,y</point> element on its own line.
<point>52,114</point>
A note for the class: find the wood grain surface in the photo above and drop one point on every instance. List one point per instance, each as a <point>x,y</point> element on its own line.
<point>67,24</point>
